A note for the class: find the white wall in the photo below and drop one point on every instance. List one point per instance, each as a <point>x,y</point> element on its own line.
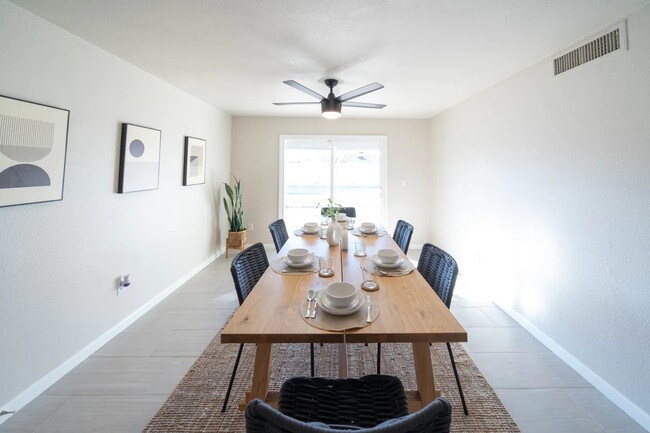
<point>255,159</point>
<point>546,189</point>
<point>59,261</point>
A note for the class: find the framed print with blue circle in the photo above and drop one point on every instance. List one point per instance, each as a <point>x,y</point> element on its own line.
<point>139,159</point>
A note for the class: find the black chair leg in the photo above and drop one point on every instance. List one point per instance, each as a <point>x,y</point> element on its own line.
<point>378,358</point>
<point>232,378</point>
<point>311,347</point>
<point>460,389</point>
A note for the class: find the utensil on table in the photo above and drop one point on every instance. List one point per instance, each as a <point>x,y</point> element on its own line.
<point>369,305</point>
<point>313,312</point>
<point>310,297</point>
<point>392,273</point>
<point>296,271</point>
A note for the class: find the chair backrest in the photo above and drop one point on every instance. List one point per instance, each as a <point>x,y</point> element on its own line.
<point>279,233</point>
<point>348,211</point>
<point>402,235</point>
<point>433,418</point>
<point>247,268</point>
<point>363,402</point>
<point>440,270</point>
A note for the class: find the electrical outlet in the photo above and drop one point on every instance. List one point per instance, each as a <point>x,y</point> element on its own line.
<point>250,226</point>
<point>123,282</point>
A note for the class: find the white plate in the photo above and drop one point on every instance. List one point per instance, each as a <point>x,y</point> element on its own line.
<point>383,265</point>
<point>366,232</point>
<point>325,304</point>
<point>309,232</point>
<point>304,264</point>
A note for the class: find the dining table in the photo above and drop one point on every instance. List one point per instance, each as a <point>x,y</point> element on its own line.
<point>409,311</point>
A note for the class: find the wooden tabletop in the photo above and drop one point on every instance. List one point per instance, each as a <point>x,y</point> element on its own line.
<point>410,311</point>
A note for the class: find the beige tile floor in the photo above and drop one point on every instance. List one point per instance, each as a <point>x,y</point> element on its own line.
<point>121,386</point>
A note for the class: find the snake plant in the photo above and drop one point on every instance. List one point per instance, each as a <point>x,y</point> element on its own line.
<point>235,211</point>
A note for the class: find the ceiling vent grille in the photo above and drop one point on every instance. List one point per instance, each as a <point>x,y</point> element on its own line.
<point>611,41</point>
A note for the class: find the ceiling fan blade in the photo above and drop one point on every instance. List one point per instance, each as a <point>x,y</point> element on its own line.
<point>363,105</point>
<point>297,85</point>
<point>294,103</point>
<point>359,92</point>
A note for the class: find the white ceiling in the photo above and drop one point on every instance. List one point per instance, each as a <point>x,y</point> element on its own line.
<point>429,54</point>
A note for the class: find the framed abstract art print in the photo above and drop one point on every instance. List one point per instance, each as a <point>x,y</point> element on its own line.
<point>33,142</point>
<point>139,159</point>
<point>194,166</point>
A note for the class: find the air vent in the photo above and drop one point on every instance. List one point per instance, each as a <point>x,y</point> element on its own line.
<point>614,39</point>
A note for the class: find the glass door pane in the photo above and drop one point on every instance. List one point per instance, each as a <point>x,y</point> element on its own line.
<point>307,172</point>
<point>357,179</point>
<point>347,169</point>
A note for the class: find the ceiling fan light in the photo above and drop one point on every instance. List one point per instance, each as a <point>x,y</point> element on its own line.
<point>330,109</point>
<point>331,115</point>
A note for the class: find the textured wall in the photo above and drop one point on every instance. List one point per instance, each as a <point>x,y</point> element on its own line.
<point>255,159</point>
<point>59,261</point>
<point>546,189</point>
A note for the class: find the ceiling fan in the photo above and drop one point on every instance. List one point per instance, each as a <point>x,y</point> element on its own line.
<point>331,105</point>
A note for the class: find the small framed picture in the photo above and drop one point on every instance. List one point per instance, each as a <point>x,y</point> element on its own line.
<point>139,159</point>
<point>33,142</point>
<point>194,167</point>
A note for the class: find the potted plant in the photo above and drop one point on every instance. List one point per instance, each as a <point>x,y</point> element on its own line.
<point>331,210</point>
<point>235,212</point>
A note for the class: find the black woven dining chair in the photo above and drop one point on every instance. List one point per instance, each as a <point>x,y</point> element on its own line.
<point>402,235</point>
<point>279,233</point>
<point>371,404</point>
<point>440,270</point>
<point>246,269</point>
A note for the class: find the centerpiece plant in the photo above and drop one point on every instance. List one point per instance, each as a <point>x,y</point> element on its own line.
<point>331,210</point>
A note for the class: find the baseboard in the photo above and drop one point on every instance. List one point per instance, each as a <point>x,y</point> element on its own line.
<point>64,368</point>
<point>614,395</point>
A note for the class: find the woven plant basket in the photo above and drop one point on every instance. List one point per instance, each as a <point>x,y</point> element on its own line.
<point>236,239</point>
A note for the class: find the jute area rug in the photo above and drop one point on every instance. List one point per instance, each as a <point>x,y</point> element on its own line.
<point>195,404</point>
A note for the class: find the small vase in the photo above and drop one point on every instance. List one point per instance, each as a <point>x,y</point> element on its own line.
<point>341,219</point>
<point>333,233</point>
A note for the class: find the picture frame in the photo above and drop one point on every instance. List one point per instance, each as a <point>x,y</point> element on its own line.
<point>194,161</point>
<point>33,147</point>
<point>139,159</point>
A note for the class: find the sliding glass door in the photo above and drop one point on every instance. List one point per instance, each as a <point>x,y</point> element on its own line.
<point>349,169</point>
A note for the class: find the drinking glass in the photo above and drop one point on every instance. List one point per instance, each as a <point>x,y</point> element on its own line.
<point>368,280</point>
<point>325,268</point>
<point>350,223</point>
<point>359,248</point>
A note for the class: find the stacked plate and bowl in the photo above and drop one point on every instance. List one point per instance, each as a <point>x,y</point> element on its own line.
<point>340,299</point>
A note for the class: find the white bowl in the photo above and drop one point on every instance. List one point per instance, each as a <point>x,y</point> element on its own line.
<point>298,255</point>
<point>368,227</point>
<point>311,227</point>
<point>387,256</point>
<point>341,294</point>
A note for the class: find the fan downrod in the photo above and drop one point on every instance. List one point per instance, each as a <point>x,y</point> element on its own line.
<point>331,83</point>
